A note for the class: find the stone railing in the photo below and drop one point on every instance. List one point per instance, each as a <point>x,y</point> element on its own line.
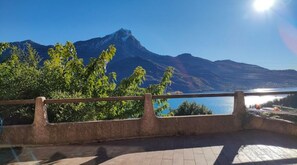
<point>149,125</point>
<point>267,124</point>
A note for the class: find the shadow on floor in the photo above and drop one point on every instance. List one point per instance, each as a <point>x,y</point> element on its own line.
<point>55,157</point>
<point>9,154</point>
<point>282,161</point>
<point>101,157</point>
<point>231,143</point>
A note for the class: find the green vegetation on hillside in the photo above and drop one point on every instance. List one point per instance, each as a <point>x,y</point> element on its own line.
<point>283,109</point>
<point>64,75</point>
<point>289,101</point>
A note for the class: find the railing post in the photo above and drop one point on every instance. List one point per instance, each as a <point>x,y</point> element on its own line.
<point>40,121</point>
<point>149,121</point>
<point>239,108</point>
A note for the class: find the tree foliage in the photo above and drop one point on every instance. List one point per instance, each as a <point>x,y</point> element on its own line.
<point>18,80</point>
<point>190,108</point>
<point>288,101</point>
<point>64,75</point>
<point>3,47</point>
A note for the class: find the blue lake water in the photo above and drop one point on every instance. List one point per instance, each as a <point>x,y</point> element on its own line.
<point>224,105</point>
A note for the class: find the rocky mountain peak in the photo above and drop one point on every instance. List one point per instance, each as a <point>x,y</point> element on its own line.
<point>120,35</point>
<point>185,55</point>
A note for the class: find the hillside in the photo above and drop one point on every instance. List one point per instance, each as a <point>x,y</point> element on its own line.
<point>192,74</point>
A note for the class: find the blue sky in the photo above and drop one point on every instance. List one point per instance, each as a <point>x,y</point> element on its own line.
<point>212,29</point>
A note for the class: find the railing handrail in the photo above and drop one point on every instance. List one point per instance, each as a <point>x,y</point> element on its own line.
<point>17,102</point>
<point>81,100</point>
<point>269,93</point>
<point>125,98</point>
<point>227,94</point>
<point>193,95</point>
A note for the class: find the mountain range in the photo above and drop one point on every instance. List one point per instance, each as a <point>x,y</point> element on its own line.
<point>192,73</point>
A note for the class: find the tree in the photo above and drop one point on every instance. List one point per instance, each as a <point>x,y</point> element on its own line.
<point>18,80</point>
<point>64,75</point>
<point>288,101</point>
<point>3,47</point>
<point>190,108</point>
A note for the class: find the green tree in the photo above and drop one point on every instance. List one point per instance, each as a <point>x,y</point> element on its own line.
<point>64,75</point>
<point>190,108</point>
<point>3,47</point>
<point>18,80</point>
<point>19,76</point>
<point>288,101</point>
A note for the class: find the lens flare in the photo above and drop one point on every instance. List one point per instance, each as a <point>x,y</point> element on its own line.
<point>288,34</point>
<point>263,5</point>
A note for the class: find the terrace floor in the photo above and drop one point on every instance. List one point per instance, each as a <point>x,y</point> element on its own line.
<point>244,147</point>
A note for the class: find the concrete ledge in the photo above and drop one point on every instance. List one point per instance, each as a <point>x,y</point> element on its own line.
<point>93,131</point>
<point>17,134</point>
<point>80,132</point>
<point>193,125</point>
<point>42,132</point>
<point>273,125</point>
<point>73,132</point>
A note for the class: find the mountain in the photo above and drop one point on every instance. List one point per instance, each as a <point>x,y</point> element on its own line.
<point>41,49</point>
<point>127,46</point>
<point>192,74</point>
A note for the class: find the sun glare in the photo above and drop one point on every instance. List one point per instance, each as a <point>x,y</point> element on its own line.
<point>263,5</point>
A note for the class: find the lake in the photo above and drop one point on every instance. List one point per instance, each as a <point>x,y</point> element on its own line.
<point>224,105</point>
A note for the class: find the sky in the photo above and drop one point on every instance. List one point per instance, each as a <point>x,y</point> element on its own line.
<point>210,29</point>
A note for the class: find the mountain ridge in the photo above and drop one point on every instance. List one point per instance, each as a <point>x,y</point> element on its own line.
<point>192,73</point>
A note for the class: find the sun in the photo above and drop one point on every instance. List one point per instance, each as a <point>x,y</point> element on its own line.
<point>263,5</point>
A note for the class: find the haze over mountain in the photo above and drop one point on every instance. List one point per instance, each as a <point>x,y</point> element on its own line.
<point>192,74</point>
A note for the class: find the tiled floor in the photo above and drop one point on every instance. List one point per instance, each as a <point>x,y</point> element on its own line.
<point>245,147</point>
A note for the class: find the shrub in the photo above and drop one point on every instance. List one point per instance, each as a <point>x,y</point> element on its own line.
<point>190,108</point>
